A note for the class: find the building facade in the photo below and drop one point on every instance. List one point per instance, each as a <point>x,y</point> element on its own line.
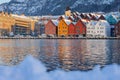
<point>51,27</point>
<point>98,29</point>
<point>117,29</point>
<point>16,24</point>
<point>80,28</point>
<point>63,27</point>
<point>6,23</point>
<point>71,30</point>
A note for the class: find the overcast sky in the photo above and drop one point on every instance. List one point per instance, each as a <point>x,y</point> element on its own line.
<point>3,1</point>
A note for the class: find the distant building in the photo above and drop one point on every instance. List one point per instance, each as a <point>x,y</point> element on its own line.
<point>80,28</point>
<point>63,27</point>
<point>117,29</point>
<point>23,24</point>
<point>68,12</point>
<point>71,29</point>
<point>39,28</point>
<point>6,23</point>
<point>51,27</point>
<point>98,29</point>
<point>111,19</point>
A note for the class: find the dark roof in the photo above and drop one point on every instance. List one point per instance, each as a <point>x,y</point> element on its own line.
<point>68,8</point>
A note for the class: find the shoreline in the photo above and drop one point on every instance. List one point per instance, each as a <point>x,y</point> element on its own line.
<point>108,38</point>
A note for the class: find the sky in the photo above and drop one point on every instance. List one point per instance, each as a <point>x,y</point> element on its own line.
<point>3,1</point>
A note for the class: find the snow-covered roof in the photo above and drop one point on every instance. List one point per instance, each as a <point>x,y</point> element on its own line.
<point>20,16</point>
<point>67,21</point>
<point>74,23</point>
<point>85,21</point>
<point>72,17</point>
<point>55,22</point>
<point>79,17</point>
<point>103,23</point>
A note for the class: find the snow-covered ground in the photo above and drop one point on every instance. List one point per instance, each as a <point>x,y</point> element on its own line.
<point>32,69</point>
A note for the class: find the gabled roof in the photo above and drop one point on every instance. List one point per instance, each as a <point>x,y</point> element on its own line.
<point>102,17</point>
<point>103,23</point>
<point>67,21</point>
<point>85,21</point>
<point>74,23</point>
<point>55,22</point>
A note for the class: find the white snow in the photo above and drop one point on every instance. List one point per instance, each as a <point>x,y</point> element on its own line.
<point>67,21</point>
<point>88,2</point>
<point>32,69</point>
<point>55,22</point>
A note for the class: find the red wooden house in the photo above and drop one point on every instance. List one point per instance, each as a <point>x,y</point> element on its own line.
<point>80,28</point>
<point>71,29</point>
<point>51,27</point>
<point>117,29</point>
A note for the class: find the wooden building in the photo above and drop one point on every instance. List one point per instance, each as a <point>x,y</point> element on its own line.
<point>71,29</point>
<point>51,27</point>
<point>117,29</point>
<point>63,27</point>
<point>80,28</point>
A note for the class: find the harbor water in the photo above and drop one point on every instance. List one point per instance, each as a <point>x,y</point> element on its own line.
<point>65,54</point>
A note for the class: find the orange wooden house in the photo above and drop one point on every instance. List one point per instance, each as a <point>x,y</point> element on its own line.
<point>63,27</point>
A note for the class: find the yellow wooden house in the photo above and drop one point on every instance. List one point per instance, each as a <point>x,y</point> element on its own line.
<point>63,27</point>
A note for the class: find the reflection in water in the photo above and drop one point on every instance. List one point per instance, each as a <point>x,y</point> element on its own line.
<point>64,54</point>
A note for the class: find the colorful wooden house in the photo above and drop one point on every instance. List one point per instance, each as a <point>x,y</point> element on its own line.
<point>99,28</point>
<point>117,29</point>
<point>51,27</point>
<point>111,19</point>
<point>80,28</point>
<point>63,27</point>
<point>71,29</point>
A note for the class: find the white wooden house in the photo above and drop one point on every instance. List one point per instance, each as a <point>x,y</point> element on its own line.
<point>99,28</point>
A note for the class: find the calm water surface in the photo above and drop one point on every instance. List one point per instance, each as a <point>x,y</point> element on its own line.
<point>62,54</point>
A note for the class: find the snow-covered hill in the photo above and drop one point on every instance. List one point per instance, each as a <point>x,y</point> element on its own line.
<point>46,7</point>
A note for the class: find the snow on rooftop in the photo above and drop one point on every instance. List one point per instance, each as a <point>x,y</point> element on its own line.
<point>55,22</point>
<point>103,23</point>
<point>85,21</point>
<point>74,23</point>
<point>67,21</point>
<point>20,16</point>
